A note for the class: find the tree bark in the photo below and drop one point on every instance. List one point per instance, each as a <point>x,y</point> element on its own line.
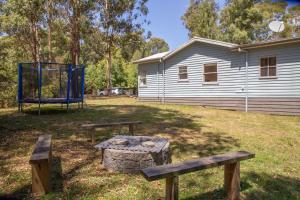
<point>75,32</point>
<point>49,21</point>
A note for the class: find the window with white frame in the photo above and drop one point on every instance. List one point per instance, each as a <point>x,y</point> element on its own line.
<point>143,79</point>
<point>182,73</point>
<point>210,73</point>
<point>268,67</point>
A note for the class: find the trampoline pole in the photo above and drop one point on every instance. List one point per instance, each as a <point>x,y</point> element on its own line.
<point>39,84</point>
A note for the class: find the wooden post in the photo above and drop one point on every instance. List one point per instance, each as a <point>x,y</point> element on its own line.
<point>93,136</point>
<point>40,177</point>
<point>172,188</point>
<point>232,180</point>
<point>130,128</point>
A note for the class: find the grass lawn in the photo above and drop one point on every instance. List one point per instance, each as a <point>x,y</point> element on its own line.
<point>193,131</point>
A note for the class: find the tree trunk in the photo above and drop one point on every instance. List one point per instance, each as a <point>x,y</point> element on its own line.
<point>108,72</point>
<point>49,21</point>
<point>75,44</point>
<point>109,49</point>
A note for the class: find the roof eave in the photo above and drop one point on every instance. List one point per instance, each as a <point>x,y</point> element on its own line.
<point>203,40</point>
<point>146,61</point>
<point>266,44</point>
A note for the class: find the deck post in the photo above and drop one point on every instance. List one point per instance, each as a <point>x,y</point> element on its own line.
<point>130,129</point>
<point>232,180</point>
<point>172,188</point>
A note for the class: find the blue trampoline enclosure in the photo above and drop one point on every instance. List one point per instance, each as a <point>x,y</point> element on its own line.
<point>50,83</point>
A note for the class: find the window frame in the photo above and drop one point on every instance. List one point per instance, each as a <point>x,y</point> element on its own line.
<point>178,74</point>
<point>268,67</point>
<point>203,74</point>
<point>145,74</point>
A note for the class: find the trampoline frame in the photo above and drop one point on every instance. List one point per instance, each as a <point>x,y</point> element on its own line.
<point>68,100</point>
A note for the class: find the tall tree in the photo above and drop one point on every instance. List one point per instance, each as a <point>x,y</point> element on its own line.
<point>22,20</point>
<point>155,45</point>
<point>201,19</point>
<point>293,18</point>
<point>118,19</point>
<point>238,21</point>
<point>269,10</point>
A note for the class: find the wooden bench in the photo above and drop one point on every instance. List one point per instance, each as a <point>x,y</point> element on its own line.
<point>130,125</point>
<point>170,172</point>
<point>40,162</point>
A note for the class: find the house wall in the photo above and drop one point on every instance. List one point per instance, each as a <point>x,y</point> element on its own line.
<point>150,92</point>
<point>281,95</point>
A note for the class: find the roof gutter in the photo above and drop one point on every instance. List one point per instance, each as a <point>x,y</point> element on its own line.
<point>265,44</point>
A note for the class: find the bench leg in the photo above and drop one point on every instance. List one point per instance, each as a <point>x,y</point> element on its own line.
<point>172,188</point>
<point>232,180</point>
<point>93,137</point>
<point>40,177</point>
<point>130,129</point>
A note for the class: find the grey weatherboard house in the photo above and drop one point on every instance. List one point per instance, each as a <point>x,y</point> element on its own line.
<point>262,77</point>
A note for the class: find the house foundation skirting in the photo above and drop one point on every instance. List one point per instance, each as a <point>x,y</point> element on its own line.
<point>272,105</point>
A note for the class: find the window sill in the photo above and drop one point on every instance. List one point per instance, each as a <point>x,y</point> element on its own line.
<point>268,77</point>
<point>183,80</point>
<point>210,83</point>
<point>144,86</point>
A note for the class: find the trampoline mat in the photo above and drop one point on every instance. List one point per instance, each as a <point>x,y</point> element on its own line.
<point>52,100</point>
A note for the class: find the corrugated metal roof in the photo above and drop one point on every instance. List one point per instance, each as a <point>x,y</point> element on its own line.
<point>154,57</point>
<point>231,46</point>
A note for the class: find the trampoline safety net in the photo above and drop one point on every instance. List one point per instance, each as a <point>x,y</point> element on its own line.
<point>50,83</point>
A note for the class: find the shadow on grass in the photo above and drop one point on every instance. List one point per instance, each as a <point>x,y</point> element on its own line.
<point>259,187</point>
<point>19,193</point>
<point>70,142</point>
<point>56,175</point>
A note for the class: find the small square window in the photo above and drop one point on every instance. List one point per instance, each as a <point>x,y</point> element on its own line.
<point>182,73</point>
<point>268,67</point>
<point>211,72</point>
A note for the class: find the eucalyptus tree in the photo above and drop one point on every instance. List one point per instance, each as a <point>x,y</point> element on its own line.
<point>201,19</point>
<point>120,21</point>
<point>237,21</point>
<point>22,20</point>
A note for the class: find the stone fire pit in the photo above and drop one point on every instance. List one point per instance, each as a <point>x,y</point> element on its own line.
<point>129,154</point>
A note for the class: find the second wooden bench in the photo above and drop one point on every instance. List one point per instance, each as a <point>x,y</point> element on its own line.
<point>92,127</point>
<point>170,172</point>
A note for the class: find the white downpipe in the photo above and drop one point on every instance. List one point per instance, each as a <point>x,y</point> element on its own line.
<point>246,81</point>
<point>246,103</point>
<point>157,76</point>
<point>164,75</point>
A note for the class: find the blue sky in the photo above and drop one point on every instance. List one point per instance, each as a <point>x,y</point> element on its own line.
<point>166,23</point>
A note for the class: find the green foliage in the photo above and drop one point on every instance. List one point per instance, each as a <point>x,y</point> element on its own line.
<point>124,74</point>
<point>8,71</point>
<point>201,19</point>
<point>238,21</point>
<point>95,76</point>
<point>155,45</point>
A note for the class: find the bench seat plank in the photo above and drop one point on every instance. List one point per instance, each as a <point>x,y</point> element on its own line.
<point>42,149</point>
<point>110,124</point>
<point>170,170</point>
